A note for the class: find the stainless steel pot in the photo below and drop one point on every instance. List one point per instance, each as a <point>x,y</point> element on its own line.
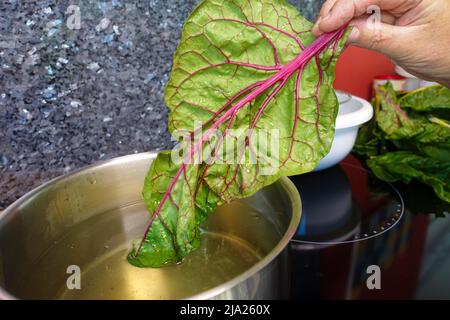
<point>87,214</point>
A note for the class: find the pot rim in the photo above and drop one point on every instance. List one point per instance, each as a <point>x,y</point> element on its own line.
<point>286,184</point>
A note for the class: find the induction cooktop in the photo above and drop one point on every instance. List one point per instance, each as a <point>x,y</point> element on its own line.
<point>361,238</point>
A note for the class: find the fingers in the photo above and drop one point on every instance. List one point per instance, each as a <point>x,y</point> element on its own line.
<point>387,18</point>
<point>371,21</point>
<point>326,7</point>
<point>337,13</point>
<point>385,38</point>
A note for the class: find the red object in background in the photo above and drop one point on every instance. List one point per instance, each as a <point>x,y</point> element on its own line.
<point>356,69</point>
<point>389,77</point>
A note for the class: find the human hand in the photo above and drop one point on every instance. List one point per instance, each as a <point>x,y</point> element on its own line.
<point>413,33</point>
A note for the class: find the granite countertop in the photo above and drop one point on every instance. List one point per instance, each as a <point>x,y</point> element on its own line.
<point>73,92</point>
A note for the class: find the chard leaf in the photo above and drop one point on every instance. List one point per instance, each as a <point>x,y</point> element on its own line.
<point>175,231</point>
<point>412,131</point>
<point>427,99</point>
<point>392,119</point>
<point>407,140</point>
<point>228,47</point>
<point>367,142</point>
<point>405,166</point>
<point>241,66</point>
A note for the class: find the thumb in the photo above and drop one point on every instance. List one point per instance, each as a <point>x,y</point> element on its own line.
<point>378,36</point>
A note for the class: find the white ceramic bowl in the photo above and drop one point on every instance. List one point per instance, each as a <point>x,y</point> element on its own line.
<point>353,112</point>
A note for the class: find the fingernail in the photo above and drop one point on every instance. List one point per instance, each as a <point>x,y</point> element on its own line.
<point>354,35</point>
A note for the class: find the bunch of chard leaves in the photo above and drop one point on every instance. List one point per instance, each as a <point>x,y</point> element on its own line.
<point>409,137</point>
<point>241,65</point>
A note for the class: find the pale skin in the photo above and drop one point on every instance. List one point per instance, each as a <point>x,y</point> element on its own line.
<point>415,34</point>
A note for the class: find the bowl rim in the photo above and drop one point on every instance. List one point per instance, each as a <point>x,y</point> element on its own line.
<point>357,117</point>
<point>286,184</point>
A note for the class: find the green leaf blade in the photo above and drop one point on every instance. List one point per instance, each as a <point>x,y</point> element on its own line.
<point>239,68</point>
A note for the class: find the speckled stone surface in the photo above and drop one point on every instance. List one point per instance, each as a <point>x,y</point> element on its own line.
<point>70,97</point>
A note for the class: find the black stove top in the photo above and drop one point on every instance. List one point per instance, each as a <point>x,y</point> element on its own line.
<point>360,238</point>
